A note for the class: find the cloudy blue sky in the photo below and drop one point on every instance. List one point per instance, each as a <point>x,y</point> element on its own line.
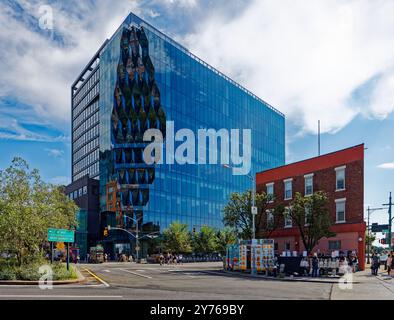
<point>328,60</point>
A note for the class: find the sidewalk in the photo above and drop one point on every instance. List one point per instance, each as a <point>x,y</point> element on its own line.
<point>326,279</point>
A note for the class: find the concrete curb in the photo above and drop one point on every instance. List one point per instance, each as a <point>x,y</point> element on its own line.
<point>80,279</point>
<point>332,280</point>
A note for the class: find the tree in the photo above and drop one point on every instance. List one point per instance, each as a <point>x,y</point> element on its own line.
<point>238,215</point>
<point>312,218</point>
<point>223,238</point>
<point>177,238</point>
<point>28,207</point>
<point>369,239</point>
<point>205,240</point>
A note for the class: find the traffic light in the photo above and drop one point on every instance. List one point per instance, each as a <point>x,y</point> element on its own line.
<point>106,232</point>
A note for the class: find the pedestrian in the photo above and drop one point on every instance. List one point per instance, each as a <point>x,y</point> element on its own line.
<point>180,258</point>
<point>78,258</point>
<point>315,265</point>
<point>388,263</point>
<point>161,259</point>
<point>375,264</point>
<point>175,259</point>
<point>105,257</point>
<point>392,263</point>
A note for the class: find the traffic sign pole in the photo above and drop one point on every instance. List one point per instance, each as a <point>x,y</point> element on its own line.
<point>68,256</point>
<point>390,204</point>
<point>51,252</point>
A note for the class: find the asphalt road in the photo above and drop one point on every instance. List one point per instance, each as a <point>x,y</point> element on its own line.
<point>200,281</point>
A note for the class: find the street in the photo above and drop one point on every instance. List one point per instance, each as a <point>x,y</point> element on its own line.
<point>197,281</point>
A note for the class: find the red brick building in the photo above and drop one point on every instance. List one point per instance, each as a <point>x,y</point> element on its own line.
<point>341,176</point>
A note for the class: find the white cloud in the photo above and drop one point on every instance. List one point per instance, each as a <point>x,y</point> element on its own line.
<point>181,3</point>
<point>389,166</point>
<point>56,153</point>
<point>306,57</point>
<point>39,71</point>
<point>11,129</point>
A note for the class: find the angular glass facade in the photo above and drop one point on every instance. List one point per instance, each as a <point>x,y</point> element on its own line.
<point>147,79</point>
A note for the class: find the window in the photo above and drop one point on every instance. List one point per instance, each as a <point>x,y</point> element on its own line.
<point>270,191</point>
<point>340,178</point>
<point>340,210</point>
<point>287,246</point>
<point>308,184</point>
<point>334,244</point>
<point>85,190</point>
<point>71,196</point>
<point>270,219</point>
<point>80,192</point>
<point>75,194</point>
<point>288,189</point>
<point>288,220</point>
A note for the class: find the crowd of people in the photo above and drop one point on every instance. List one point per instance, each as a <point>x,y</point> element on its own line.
<point>319,265</point>
<point>170,258</point>
<point>387,259</point>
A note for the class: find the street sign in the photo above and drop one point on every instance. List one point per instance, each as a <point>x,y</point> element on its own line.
<point>60,246</point>
<point>60,235</point>
<point>379,228</point>
<point>254,210</point>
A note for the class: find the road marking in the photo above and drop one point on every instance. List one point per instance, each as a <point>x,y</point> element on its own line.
<point>106,271</point>
<point>97,277</point>
<point>135,273</point>
<point>58,296</point>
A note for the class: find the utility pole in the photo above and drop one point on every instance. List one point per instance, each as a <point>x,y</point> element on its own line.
<point>370,210</point>
<point>318,138</point>
<point>390,204</point>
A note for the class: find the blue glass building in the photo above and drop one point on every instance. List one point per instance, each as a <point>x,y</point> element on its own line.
<point>146,79</point>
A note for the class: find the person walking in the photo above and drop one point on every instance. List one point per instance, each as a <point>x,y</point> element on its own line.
<point>388,264</point>
<point>375,264</point>
<point>315,265</point>
<point>180,258</point>
<point>392,263</point>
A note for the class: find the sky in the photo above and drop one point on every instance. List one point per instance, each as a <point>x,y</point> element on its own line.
<point>331,61</point>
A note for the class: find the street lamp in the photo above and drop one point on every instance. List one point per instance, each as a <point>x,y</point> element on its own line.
<point>370,210</point>
<point>254,213</point>
<point>137,244</point>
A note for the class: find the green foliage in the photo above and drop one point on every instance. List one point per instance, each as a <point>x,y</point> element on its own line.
<point>28,207</point>
<point>223,238</point>
<point>317,223</point>
<point>238,215</point>
<point>30,272</point>
<point>205,240</point>
<point>177,238</point>
<point>369,238</point>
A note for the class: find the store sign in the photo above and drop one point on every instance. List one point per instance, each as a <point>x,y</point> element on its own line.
<point>60,235</point>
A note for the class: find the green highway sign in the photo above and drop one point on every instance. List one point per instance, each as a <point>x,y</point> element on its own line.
<point>60,235</point>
